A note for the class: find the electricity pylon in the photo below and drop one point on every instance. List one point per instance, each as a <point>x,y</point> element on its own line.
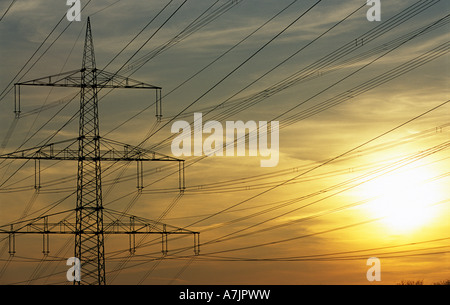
<point>89,228</point>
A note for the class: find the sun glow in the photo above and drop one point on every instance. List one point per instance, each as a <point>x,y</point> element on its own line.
<point>404,200</point>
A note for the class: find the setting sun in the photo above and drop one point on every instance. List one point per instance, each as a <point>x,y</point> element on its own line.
<point>404,200</point>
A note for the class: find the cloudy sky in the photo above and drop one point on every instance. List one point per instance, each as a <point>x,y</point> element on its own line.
<point>363,139</point>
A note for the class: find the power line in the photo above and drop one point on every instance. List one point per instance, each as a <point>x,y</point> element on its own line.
<point>319,65</point>
<point>387,73</point>
<point>137,35</point>
<point>328,255</point>
<point>169,205</point>
<point>357,148</point>
<point>240,65</point>
<point>7,9</point>
<point>327,162</point>
<point>6,90</point>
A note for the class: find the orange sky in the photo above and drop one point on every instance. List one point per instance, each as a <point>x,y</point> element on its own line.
<point>363,148</point>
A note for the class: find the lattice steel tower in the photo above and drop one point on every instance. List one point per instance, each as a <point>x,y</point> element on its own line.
<point>89,228</point>
<point>89,248</point>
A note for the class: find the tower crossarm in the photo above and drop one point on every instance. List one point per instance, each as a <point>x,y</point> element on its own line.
<point>113,151</point>
<point>64,79</point>
<point>74,79</point>
<point>120,223</point>
<point>40,226</point>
